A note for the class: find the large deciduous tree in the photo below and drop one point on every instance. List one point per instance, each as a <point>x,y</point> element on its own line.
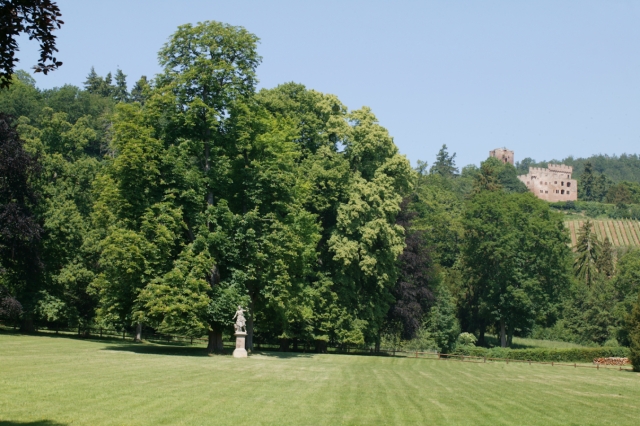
<point>515,260</point>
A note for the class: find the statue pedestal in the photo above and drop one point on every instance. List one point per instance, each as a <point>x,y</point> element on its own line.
<point>240,351</point>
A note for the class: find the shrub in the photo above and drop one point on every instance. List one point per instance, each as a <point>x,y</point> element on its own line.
<point>545,354</point>
<point>467,339</point>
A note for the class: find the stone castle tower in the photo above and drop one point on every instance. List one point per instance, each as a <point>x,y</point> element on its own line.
<point>551,184</point>
<point>503,154</point>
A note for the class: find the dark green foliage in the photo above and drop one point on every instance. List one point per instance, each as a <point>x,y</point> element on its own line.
<point>413,290</point>
<point>545,355</point>
<point>515,261</point>
<point>445,164</point>
<point>20,229</point>
<point>634,335</point>
<point>37,19</point>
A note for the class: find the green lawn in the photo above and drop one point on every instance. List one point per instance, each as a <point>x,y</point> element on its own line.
<point>52,380</point>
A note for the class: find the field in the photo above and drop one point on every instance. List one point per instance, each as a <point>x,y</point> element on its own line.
<point>48,380</point>
<point>621,233</point>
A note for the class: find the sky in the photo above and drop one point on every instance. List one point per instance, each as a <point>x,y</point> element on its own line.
<point>547,79</point>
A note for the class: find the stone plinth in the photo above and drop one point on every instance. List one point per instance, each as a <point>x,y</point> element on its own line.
<point>240,351</point>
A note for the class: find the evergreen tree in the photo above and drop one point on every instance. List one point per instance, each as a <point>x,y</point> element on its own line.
<point>120,91</point>
<point>588,251</point>
<point>587,184</point>
<point>445,164</point>
<point>140,91</point>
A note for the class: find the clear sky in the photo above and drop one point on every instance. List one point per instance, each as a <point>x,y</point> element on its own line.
<point>547,79</point>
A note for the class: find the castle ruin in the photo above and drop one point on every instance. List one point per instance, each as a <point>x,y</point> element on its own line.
<point>503,154</point>
<point>551,184</point>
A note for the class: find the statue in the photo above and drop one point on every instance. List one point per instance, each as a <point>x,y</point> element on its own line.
<point>240,320</point>
<point>241,333</point>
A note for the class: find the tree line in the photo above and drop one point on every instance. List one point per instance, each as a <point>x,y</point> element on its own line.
<point>168,205</point>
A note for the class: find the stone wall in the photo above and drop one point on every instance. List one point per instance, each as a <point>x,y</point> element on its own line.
<point>553,183</point>
<point>503,154</point>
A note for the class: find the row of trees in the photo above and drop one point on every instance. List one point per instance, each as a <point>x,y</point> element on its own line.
<point>170,204</point>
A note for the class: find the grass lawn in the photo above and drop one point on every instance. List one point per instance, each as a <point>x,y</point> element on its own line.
<point>48,380</point>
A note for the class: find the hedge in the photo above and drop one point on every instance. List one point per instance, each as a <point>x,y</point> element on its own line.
<point>545,354</point>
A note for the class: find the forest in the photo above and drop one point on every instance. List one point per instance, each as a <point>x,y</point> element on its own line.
<point>166,206</point>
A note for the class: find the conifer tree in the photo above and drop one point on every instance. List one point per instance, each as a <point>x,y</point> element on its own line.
<point>588,251</point>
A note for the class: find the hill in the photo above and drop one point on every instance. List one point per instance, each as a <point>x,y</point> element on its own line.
<point>621,233</point>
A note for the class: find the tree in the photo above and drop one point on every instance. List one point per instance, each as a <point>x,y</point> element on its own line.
<point>206,68</point>
<point>20,231</point>
<point>514,260</point>
<point>588,251</point>
<point>634,326</point>
<point>445,164</point>
<point>413,290</point>
<point>36,18</point>
<point>120,92</point>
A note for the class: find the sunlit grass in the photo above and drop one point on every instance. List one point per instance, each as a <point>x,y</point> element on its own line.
<point>62,380</point>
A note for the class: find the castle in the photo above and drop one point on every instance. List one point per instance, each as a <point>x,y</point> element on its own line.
<point>551,184</point>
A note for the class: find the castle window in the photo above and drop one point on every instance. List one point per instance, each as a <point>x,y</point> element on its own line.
<point>568,185</point>
<point>568,192</point>
<point>555,182</point>
<point>546,192</point>
<point>568,177</point>
<point>541,191</point>
<point>562,192</point>
<point>561,183</point>
<point>557,191</point>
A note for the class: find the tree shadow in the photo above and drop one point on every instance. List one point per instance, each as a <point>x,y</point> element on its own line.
<point>151,349</point>
<point>283,355</point>
<point>494,342</point>
<point>33,423</point>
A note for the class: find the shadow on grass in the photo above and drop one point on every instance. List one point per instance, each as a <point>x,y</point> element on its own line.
<point>151,349</point>
<point>34,423</point>
<point>283,355</point>
<point>494,342</point>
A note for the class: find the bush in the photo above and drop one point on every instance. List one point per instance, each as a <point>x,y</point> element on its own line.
<point>545,354</point>
<point>467,339</point>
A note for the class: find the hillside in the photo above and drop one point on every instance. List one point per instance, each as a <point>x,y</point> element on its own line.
<point>621,233</point>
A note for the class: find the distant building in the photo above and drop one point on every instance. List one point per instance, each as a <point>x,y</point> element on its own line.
<point>502,154</point>
<point>553,183</point>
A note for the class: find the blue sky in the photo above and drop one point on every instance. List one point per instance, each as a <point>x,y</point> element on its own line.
<point>546,79</point>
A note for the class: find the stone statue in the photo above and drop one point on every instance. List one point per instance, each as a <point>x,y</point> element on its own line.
<point>240,320</point>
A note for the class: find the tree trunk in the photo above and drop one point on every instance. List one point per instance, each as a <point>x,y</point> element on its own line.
<point>215,341</point>
<point>510,329</point>
<point>27,325</point>
<point>138,337</point>
<point>503,334</point>
<point>284,345</point>
<point>378,339</point>
<point>321,346</point>
<point>249,342</point>
<point>481,341</point>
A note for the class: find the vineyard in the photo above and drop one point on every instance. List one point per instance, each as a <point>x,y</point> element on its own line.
<point>621,233</point>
